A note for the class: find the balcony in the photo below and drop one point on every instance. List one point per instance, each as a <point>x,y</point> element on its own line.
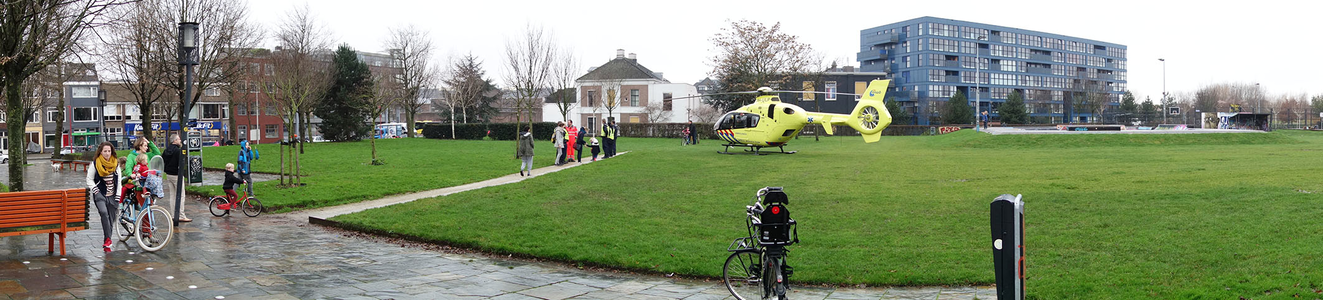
<point>871,55</point>
<point>1038,70</point>
<point>1040,57</point>
<point>953,78</point>
<point>1112,65</point>
<point>881,39</point>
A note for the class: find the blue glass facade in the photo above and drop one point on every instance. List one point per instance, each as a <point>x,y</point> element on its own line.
<point>1063,79</point>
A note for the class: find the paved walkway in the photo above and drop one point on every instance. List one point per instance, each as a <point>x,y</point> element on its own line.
<point>282,257</point>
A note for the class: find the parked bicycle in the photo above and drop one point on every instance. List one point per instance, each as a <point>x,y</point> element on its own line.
<point>756,267</point>
<point>221,205</point>
<point>141,218</point>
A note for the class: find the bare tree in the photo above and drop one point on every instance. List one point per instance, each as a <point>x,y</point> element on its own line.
<point>703,113</point>
<point>752,55</point>
<point>301,77</point>
<point>138,47</point>
<point>656,112</point>
<point>35,34</point>
<point>530,63</point>
<point>565,69</point>
<point>386,93</point>
<point>464,87</point>
<point>411,47</point>
<point>226,38</point>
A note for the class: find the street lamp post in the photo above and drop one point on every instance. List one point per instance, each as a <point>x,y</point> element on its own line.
<point>1164,89</point>
<point>1257,94</point>
<point>188,45</point>
<point>977,80</point>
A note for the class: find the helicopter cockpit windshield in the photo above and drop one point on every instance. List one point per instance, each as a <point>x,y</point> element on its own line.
<point>737,120</point>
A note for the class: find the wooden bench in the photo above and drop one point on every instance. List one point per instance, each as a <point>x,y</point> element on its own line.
<point>56,212</point>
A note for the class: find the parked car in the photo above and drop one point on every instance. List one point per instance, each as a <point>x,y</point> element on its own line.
<point>4,157</point>
<point>319,139</point>
<point>74,150</point>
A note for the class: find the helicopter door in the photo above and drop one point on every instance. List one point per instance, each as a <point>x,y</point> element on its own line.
<point>737,120</point>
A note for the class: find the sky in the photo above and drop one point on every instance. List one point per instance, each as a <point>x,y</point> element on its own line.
<point>1273,43</point>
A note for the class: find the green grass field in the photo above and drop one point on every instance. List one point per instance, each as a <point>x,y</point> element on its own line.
<point>1108,217</point>
<point>339,173</point>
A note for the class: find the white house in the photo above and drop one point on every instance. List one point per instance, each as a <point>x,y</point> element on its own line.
<point>643,96</point>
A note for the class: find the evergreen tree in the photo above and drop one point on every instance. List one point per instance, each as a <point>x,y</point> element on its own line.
<point>1147,109</point>
<point>898,115</point>
<point>958,111</point>
<point>344,111</point>
<point>1128,103</point>
<point>1013,112</point>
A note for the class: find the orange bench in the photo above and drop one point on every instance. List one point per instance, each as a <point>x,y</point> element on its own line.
<point>54,213</point>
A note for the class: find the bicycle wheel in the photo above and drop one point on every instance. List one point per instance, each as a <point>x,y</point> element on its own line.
<point>155,228</point>
<point>775,279</point>
<point>124,224</point>
<point>252,207</point>
<point>214,206</point>
<point>742,275</point>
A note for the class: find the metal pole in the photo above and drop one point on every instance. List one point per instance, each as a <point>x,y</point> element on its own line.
<point>977,88</point>
<point>183,157</point>
<point>1164,90</point>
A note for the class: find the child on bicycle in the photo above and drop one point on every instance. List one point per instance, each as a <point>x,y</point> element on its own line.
<point>150,179</point>
<point>231,179</point>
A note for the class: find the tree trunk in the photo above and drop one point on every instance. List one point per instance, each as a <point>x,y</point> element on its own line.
<point>408,121</point>
<point>303,130</point>
<point>59,125</point>
<point>17,145</point>
<point>232,123</point>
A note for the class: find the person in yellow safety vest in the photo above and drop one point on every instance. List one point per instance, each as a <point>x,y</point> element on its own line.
<point>609,138</point>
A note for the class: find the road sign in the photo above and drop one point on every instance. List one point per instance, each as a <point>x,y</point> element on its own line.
<point>194,142</point>
<point>194,169</point>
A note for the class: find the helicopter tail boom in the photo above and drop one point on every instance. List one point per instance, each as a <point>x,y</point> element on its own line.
<point>869,117</point>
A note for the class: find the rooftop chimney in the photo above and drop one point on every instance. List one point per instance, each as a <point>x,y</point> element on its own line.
<point>633,57</point>
<point>620,53</point>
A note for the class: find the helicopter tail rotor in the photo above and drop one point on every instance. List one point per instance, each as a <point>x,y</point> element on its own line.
<point>870,116</point>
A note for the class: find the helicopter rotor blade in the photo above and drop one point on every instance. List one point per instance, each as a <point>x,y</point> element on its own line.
<point>814,92</point>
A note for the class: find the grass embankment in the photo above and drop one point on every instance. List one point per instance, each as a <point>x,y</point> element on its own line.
<point>1119,217</point>
<point>339,173</point>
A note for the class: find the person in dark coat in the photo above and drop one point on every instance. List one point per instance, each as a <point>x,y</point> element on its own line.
<point>525,152</point>
<point>578,146</point>
<point>693,134</point>
<point>171,156</point>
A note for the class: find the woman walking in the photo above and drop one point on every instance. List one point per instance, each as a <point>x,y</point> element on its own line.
<point>525,152</point>
<point>558,139</point>
<point>103,181</point>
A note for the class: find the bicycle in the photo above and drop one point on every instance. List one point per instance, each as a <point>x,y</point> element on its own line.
<point>251,206</point>
<point>151,224</point>
<point>757,265</point>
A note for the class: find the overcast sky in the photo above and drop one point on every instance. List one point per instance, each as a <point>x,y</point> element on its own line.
<point>1274,43</point>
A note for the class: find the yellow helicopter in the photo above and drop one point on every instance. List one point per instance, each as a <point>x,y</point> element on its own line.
<point>768,122</point>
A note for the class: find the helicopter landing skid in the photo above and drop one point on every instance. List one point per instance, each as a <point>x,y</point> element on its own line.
<point>757,150</point>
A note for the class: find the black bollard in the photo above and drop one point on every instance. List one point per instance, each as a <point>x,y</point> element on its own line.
<point>1008,246</point>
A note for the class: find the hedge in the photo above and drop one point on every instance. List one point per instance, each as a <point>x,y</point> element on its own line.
<point>499,131</point>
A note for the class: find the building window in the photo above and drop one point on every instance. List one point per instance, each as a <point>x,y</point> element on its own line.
<point>252,109</point>
<point>84,114</point>
<point>211,92</point>
<point>34,117</point>
<point>115,130</point>
<point>241,109</point>
<point>271,132</point>
<point>633,119</point>
<point>270,70</point>
<point>666,101</point>
<point>212,111</point>
<point>591,123</point>
<point>84,92</point>
<point>808,91</point>
<point>242,131</point>
<point>590,98</point>
<point>51,141</point>
<point>634,97</point>
<point>253,88</point>
<point>831,91</point>
<point>270,110</point>
<point>112,113</point>
<point>53,116</point>
<point>860,87</point>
